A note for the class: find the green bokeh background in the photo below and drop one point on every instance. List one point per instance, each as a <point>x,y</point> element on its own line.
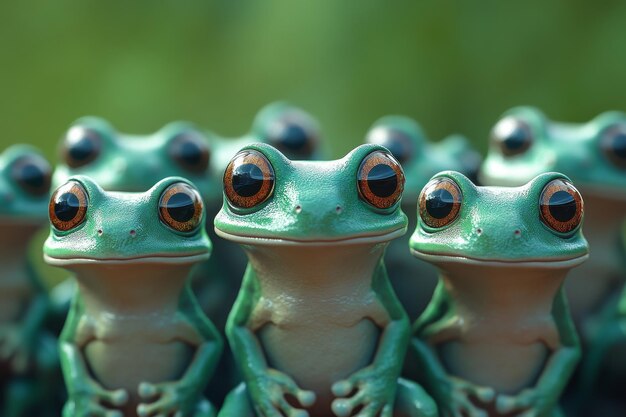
<point>455,66</point>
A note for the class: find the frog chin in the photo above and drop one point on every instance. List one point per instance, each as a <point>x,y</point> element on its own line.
<point>143,259</point>
<point>542,263</point>
<point>308,241</point>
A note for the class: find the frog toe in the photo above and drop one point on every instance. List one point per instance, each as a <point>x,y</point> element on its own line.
<point>413,401</point>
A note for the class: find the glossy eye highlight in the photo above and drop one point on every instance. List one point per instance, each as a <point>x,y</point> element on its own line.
<point>397,141</point>
<point>68,206</point>
<point>613,145</point>
<point>380,180</point>
<point>190,151</point>
<point>33,174</point>
<point>249,179</point>
<point>180,207</point>
<point>512,136</point>
<point>81,146</point>
<point>440,202</point>
<point>561,206</point>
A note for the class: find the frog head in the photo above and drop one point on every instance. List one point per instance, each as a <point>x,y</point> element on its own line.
<point>421,158</point>
<point>89,225</point>
<point>538,223</point>
<point>271,200</point>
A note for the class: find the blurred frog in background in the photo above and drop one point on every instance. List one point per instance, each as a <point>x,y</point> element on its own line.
<point>421,159</point>
<point>28,353</point>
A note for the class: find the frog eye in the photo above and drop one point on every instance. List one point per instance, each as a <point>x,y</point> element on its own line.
<point>440,202</point>
<point>561,206</point>
<point>180,207</point>
<point>33,174</point>
<point>294,134</point>
<point>397,141</point>
<point>68,206</point>
<point>613,145</point>
<point>512,136</point>
<point>380,180</point>
<point>81,146</point>
<point>190,151</point>
<point>249,179</point>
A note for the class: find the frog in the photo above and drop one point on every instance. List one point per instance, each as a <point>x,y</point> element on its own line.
<point>27,348</point>
<point>135,342</point>
<point>524,142</point>
<point>421,158</point>
<point>316,328</point>
<point>497,338</point>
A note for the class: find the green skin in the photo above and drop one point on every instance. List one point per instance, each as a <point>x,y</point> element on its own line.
<point>123,353</point>
<point>420,159</point>
<point>27,355</point>
<point>316,317</point>
<point>575,149</point>
<point>497,337</point>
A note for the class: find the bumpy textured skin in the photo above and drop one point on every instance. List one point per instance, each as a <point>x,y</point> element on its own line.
<point>135,342</point>
<point>415,281</point>
<point>316,318</point>
<point>497,338</point>
<point>575,150</point>
<point>28,356</point>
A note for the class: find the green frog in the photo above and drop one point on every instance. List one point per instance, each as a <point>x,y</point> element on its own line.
<point>497,338</point>
<point>135,343</point>
<point>317,329</point>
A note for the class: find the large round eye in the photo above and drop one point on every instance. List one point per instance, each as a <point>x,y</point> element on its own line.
<point>397,141</point>
<point>33,174</point>
<point>440,202</point>
<point>294,134</point>
<point>81,146</point>
<point>180,207</point>
<point>561,206</point>
<point>68,206</point>
<point>190,151</point>
<point>512,136</point>
<point>380,180</point>
<point>614,145</point>
<point>249,179</point>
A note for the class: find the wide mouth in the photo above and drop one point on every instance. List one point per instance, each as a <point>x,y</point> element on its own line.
<point>343,240</point>
<point>558,263</point>
<point>143,259</point>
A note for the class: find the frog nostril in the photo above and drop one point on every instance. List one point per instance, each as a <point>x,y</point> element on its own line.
<point>479,231</point>
<point>298,209</point>
<point>338,210</point>
<point>517,233</point>
<point>133,233</point>
<point>100,232</point>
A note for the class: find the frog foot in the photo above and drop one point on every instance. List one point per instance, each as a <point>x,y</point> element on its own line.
<point>87,401</point>
<point>268,393</point>
<point>533,401</point>
<point>460,404</point>
<point>167,398</point>
<point>374,392</point>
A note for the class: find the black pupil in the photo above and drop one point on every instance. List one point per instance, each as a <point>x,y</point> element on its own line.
<point>32,176</point>
<point>190,153</point>
<point>66,206</point>
<point>181,207</point>
<point>247,180</point>
<point>293,137</point>
<point>562,206</point>
<point>82,149</point>
<point>516,139</point>
<point>382,180</point>
<point>619,145</point>
<point>439,203</point>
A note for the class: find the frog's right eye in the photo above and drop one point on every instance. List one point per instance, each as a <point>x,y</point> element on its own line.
<point>190,151</point>
<point>397,141</point>
<point>32,173</point>
<point>68,206</point>
<point>81,146</point>
<point>512,136</point>
<point>249,179</point>
<point>613,145</point>
<point>440,202</point>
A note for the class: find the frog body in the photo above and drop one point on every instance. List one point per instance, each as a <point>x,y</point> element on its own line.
<point>135,341</point>
<point>497,337</point>
<point>316,317</point>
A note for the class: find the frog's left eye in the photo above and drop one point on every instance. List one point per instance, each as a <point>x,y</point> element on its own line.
<point>380,180</point>
<point>294,134</point>
<point>512,136</point>
<point>613,145</point>
<point>397,141</point>
<point>249,179</point>
<point>33,174</point>
<point>190,151</point>
<point>68,206</point>
<point>181,208</point>
<point>561,206</point>
<point>440,202</point>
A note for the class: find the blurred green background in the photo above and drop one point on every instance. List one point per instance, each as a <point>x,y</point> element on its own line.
<point>454,66</point>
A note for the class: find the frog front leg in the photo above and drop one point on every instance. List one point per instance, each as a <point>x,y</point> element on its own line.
<point>183,398</point>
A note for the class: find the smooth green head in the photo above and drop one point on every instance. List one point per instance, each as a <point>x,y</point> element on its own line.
<point>24,185</point>
<point>421,158</point>
<point>524,143</point>
<point>537,223</point>
<point>269,199</point>
<point>162,225</point>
